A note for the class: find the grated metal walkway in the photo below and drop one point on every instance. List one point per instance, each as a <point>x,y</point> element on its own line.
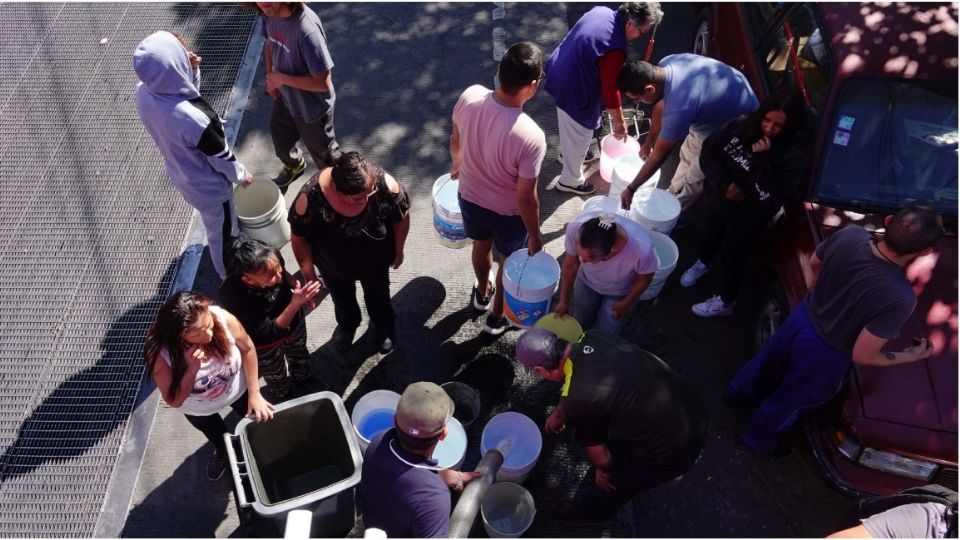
<point>90,230</point>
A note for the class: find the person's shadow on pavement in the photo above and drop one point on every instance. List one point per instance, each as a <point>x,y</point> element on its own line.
<point>90,405</point>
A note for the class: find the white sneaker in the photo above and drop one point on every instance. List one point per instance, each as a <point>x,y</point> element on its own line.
<point>714,307</point>
<point>693,274</point>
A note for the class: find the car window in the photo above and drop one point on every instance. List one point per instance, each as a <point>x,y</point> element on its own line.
<point>759,16</point>
<point>892,142</point>
<point>795,55</point>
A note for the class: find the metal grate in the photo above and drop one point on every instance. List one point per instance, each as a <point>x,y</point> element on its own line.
<point>90,229</point>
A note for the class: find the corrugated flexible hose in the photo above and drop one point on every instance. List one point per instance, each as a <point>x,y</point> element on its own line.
<point>464,514</point>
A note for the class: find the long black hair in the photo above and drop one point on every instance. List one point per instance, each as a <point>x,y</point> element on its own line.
<point>792,105</point>
<point>175,317</point>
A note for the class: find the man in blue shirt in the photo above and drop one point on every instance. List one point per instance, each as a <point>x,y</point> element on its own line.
<point>403,491</point>
<point>692,96</point>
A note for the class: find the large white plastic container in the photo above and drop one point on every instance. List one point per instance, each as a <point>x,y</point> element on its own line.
<point>372,414</point>
<point>262,213</point>
<point>612,148</point>
<point>507,510</point>
<point>668,254</point>
<point>518,438</point>
<point>447,219</point>
<point>528,286</point>
<point>656,209</point>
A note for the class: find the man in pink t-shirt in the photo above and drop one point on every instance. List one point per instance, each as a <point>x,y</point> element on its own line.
<point>497,151</point>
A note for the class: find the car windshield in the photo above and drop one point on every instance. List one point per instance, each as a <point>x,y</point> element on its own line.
<point>892,142</point>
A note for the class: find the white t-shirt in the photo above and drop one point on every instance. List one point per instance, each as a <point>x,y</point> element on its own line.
<point>615,276</point>
<point>219,382</point>
<point>498,145</point>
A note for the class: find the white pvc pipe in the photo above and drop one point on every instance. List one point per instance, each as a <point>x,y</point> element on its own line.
<point>298,524</point>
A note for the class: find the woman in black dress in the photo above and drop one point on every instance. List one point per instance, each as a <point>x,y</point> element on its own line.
<point>351,220</point>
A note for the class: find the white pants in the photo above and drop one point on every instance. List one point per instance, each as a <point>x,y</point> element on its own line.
<point>687,182</point>
<point>218,225</point>
<point>574,143</point>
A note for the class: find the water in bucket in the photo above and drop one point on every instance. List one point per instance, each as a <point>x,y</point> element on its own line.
<point>656,209</point>
<point>603,203</point>
<point>375,423</point>
<point>371,412</point>
<point>518,438</point>
<point>447,219</point>
<point>612,148</point>
<point>528,284</point>
<point>450,451</point>
<point>507,510</point>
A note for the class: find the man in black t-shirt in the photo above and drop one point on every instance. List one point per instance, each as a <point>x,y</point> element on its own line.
<point>859,301</point>
<point>641,423</point>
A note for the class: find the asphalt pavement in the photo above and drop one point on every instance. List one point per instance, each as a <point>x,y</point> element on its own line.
<point>399,70</point>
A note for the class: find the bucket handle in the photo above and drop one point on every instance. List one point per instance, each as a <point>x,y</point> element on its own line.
<point>235,464</point>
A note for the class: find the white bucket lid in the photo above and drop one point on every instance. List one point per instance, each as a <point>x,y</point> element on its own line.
<point>655,204</point>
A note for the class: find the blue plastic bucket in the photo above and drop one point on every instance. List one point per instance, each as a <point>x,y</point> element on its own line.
<point>447,219</point>
<point>528,286</point>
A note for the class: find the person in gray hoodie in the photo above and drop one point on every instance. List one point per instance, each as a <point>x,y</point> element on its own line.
<point>190,137</point>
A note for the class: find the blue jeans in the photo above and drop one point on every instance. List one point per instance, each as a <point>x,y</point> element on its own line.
<point>796,371</point>
<point>594,310</point>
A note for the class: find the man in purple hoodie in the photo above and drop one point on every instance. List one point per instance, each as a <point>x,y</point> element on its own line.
<point>190,136</point>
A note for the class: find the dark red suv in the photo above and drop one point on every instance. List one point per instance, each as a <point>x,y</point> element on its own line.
<point>881,84</point>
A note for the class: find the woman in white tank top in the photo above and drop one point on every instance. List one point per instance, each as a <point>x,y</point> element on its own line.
<point>202,360</point>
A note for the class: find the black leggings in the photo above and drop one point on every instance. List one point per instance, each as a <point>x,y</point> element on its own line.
<point>376,295</point>
<point>213,425</point>
<point>729,241</point>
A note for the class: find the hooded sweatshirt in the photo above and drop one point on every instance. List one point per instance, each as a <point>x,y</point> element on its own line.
<point>185,128</point>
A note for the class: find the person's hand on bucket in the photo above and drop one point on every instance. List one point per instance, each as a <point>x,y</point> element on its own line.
<point>259,407</point>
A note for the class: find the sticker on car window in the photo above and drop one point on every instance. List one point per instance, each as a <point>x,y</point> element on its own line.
<point>846,122</point>
<point>841,138</point>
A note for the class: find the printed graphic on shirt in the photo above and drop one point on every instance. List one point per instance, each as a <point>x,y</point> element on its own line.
<point>279,40</point>
<point>761,194</point>
<point>214,379</point>
<point>739,154</point>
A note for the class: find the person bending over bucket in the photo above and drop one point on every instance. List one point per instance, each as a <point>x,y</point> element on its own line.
<point>641,423</point>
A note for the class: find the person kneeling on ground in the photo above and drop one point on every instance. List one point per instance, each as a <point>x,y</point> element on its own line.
<point>202,360</point>
<point>641,423</point>
<point>609,265</point>
<point>403,491</point>
<point>268,301</point>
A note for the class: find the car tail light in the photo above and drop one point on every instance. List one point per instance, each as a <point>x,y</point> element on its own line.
<point>881,460</point>
<point>897,464</point>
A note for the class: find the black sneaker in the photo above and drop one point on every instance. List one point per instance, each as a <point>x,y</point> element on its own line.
<point>482,303</point>
<point>343,339</point>
<point>496,325</point>
<point>216,466</point>
<point>290,173</point>
<point>585,188</point>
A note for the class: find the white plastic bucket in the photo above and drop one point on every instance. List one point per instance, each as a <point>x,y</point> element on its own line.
<point>519,439</point>
<point>612,148</point>
<point>668,254</point>
<point>450,452</point>
<point>656,209</point>
<point>447,219</point>
<point>528,286</point>
<point>605,204</point>
<point>507,510</point>
<point>372,414</point>
<point>262,213</point>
